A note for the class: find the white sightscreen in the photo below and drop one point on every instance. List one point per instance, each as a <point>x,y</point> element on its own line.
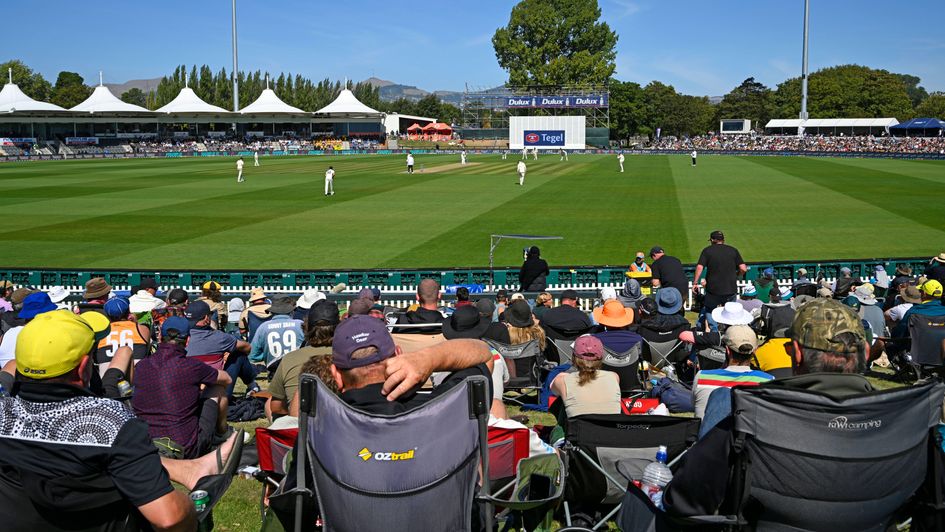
<point>544,131</point>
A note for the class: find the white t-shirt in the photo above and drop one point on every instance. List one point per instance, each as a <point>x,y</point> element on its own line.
<point>8,345</point>
<point>239,164</point>
<point>896,313</point>
<point>410,160</point>
<point>329,174</point>
<point>521,167</point>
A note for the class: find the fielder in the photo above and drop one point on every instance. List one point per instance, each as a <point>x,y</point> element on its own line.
<point>462,157</point>
<point>330,181</point>
<point>505,155</point>
<point>521,172</point>
<point>524,154</point>
<point>255,158</point>
<point>564,154</point>
<point>694,154</point>
<point>239,170</point>
<point>535,153</point>
<point>620,159</point>
<point>409,163</point>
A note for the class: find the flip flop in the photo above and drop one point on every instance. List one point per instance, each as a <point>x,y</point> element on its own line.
<point>216,485</point>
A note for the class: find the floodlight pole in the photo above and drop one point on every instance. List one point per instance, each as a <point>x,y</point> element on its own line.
<point>803,115</point>
<point>236,88</point>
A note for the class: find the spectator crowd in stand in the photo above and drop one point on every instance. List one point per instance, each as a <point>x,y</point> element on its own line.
<point>154,373</point>
<point>811,143</point>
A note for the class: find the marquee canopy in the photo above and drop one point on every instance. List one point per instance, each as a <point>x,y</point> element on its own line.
<point>414,127</point>
<point>187,102</point>
<point>12,100</point>
<point>103,101</point>
<point>346,105</point>
<point>270,104</point>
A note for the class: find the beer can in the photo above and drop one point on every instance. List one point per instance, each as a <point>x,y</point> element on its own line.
<point>201,498</point>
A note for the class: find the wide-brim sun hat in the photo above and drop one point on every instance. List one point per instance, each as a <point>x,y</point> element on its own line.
<point>309,298</point>
<point>466,322</point>
<point>58,294</point>
<point>940,258</point>
<point>519,314</point>
<point>613,314</point>
<point>143,301</point>
<point>668,300</point>
<point>733,313</point>
<point>864,293</point>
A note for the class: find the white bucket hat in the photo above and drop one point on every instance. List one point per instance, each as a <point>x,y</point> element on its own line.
<point>309,298</point>
<point>57,294</point>
<point>733,313</point>
<point>143,301</point>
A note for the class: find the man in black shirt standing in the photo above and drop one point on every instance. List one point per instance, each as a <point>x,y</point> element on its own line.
<point>667,271</point>
<point>534,273</point>
<point>724,264</point>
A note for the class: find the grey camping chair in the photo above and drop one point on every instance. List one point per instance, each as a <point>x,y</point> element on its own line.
<point>525,364</point>
<point>565,350</point>
<point>811,461</point>
<point>416,470</point>
<point>660,354</point>
<point>928,342</point>
<point>627,367</point>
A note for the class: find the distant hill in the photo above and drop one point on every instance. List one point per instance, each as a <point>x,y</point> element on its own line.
<point>390,91</point>
<point>144,84</point>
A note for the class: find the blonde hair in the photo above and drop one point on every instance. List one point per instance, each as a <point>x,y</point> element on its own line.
<point>520,335</point>
<point>587,369</point>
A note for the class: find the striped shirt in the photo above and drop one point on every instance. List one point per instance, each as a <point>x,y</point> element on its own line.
<point>707,381</point>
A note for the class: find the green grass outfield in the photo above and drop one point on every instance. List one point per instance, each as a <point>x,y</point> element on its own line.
<point>191,214</point>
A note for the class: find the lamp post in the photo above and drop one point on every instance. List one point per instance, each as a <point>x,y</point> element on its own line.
<point>803,115</point>
<point>236,89</point>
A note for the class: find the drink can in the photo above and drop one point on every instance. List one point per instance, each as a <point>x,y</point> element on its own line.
<point>201,498</point>
<point>124,388</point>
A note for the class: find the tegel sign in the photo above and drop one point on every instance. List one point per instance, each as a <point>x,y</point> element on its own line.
<point>544,138</point>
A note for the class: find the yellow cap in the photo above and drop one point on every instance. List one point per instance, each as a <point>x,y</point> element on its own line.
<point>54,343</point>
<point>932,288</point>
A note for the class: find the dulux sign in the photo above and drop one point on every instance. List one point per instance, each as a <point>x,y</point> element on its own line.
<point>546,102</point>
<point>544,138</point>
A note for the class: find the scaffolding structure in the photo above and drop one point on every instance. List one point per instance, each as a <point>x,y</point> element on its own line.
<point>486,108</point>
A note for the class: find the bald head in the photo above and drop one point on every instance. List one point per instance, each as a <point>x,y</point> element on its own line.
<point>428,292</point>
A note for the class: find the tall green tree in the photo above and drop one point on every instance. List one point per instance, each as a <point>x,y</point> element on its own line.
<point>846,91</point>
<point>33,84</point>
<point>134,96</point>
<point>751,100</point>
<point>916,92</point>
<point>627,110</point>
<point>556,42</point>
<point>932,107</point>
<point>70,90</point>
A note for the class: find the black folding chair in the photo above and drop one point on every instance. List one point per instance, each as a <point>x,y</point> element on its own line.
<point>627,367</point>
<point>416,470</point>
<point>928,343</point>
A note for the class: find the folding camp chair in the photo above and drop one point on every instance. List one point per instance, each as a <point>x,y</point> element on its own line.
<point>928,343</point>
<point>606,452</point>
<point>661,354</point>
<point>712,358</point>
<point>416,470</point>
<point>525,364</point>
<point>507,447</point>
<point>274,447</point>
<point>627,367</point>
<point>531,498</point>
<point>565,350</point>
<point>810,461</point>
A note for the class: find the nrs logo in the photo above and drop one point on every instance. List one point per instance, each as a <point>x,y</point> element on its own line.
<point>366,454</point>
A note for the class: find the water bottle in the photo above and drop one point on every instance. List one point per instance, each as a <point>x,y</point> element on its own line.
<point>655,477</point>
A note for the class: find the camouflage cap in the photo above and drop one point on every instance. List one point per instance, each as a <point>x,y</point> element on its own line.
<point>818,323</point>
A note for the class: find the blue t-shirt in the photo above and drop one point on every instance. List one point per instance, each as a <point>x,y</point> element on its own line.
<point>207,341</point>
<point>279,336</point>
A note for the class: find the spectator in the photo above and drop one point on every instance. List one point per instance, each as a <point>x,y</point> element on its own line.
<point>41,467</point>
<point>829,346</point>
<point>936,269</point>
<point>534,272</point>
<point>210,294</point>
<point>724,264</point>
<point>218,349</point>
<point>428,297</point>
<point>33,305</point>
<point>764,284</point>
<point>359,307</point>
<point>520,327</point>
<point>169,395</point>
<point>639,264</point>
<point>667,271</point>
<point>6,290</point>
<point>740,343</point>
<point>142,303</point>
<point>732,313</point>
<point>543,303</point>
<point>305,302</point>
<point>910,296</point>
<point>590,390</point>
<point>802,278</point>
<point>882,279</point>
<point>234,309</point>
<point>278,336</point>
<point>630,294</point>
<point>668,323</point>
<point>8,320</point>
<point>122,333</point>
<point>319,326</point>
<point>931,305</point>
<point>749,299</point>
<point>255,314</point>
<point>462,297</point>
<point>903,277</point>
<point>566,318</point>
<point>870,309</point>
<point>501,301</point>
<point>844,284</point>
<point>466,322</point>
<point>58,295</point>
<point>615,321</point>
<point>486,309</point>
<point>96,294</point>
<point>175,305</point>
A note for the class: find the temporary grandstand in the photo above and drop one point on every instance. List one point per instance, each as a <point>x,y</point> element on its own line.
<point>830,126</point>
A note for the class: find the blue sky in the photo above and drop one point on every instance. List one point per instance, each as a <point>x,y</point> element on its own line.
<point>702,48</point>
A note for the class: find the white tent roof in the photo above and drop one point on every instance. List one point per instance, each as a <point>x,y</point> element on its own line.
<point>12,100</point>
<point>831,122</point>
<point>347,105</point>
<point>269,103</point>
<point>103,101</point>
<point>187,102</point>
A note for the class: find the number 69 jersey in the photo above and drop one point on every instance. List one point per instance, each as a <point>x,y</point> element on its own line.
<point>277,337</point>
<point>123,334</point>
